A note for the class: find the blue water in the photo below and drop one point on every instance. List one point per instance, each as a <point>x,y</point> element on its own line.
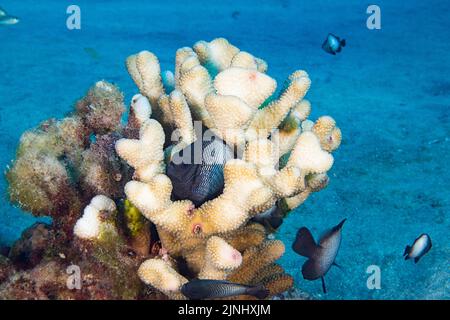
<point>389,91</point>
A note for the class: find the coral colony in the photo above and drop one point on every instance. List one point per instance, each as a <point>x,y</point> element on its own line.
<point>108,187</point>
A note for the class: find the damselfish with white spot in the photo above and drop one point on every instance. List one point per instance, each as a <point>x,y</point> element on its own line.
<point>419,248</point>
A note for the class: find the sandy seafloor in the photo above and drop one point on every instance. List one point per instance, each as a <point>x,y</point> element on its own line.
<point>389,91</point>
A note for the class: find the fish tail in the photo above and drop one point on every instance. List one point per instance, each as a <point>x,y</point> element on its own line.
<point>343,42</point>
<point>407,251</point>
<point>259,292</point>
<point>304,243</point>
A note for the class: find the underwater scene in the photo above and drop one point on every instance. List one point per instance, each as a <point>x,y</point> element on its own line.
<point>281,149</point>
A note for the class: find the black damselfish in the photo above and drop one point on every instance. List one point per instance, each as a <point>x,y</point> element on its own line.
<point>419,248</point>
<point>208,289</point>
<point>196,171</point>
<point>322,255</point>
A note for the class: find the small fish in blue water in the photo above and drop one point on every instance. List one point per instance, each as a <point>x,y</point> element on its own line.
<point>419,248</point>
<point>209,289</point>
<point>333,44</point>
<point>6,19</point>
<point>201,178</point>
<point>322,255</point>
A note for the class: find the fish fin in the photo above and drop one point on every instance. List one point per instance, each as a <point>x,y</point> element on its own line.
<point>273,223</point>
<point>336,265</point>
<point>310,270</point>
<point>304,243</point>
<point>276,222</point>
<point>343,42</point>
<point>339,226</point>
<point>324,287</point>
<point>333,53</point>
<point>416,259</point>
<point>407,250</point>
<point>329,232</point>
<point>259,292</point>
<point>269,227</point>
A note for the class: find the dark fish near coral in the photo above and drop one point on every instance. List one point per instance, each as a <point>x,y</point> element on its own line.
<point>210,289</point>
<point>322,255</point>
<point>271,218</point>
<point>333,44</point>
<point>196,171</point>
<point>419,248</point>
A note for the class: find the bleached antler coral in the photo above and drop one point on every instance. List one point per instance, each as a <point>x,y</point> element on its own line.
<point>92,224</point>
<point>230,93</point>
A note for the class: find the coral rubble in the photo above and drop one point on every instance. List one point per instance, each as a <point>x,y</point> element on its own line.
<point>110,191</point>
